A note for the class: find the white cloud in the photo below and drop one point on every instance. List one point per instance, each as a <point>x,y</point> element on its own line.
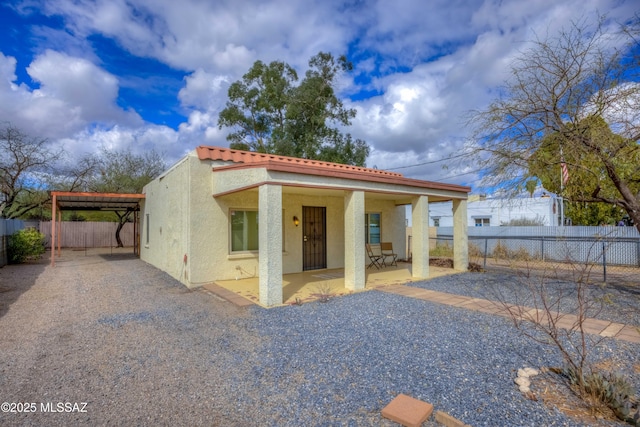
<point>139,140</point>
<point>204,90</point>
<point>431,62</point>
<point>73,93</point>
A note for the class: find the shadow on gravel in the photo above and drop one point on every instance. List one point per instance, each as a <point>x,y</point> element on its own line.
<point>118,257</point>
<point>17,279</point>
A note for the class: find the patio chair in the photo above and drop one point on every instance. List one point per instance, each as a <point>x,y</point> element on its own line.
<point>386,248</point>
<point>375,259</point>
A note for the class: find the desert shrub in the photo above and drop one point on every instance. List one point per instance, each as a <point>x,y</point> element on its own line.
<point>608,389</point>
<point>501,251</point>
<point>441,250</point>
<point>25,244</point>
<point>521,254</point>
<point>475,251</point>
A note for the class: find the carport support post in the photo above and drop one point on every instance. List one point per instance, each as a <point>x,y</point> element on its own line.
<point>460,236</point>
<point>354,260</point>
<point>270,244</point>
<point>420,239</point>
<point>53,229</point>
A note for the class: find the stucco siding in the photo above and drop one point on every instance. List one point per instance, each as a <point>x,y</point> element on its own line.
<point>164,222</point>
<point>393,223</point>
<point>207,232</point>
<point>186,231</point>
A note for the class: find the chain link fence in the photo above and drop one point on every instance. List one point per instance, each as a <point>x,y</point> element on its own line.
<point>594,254</point>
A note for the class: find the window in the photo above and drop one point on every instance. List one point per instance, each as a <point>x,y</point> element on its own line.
<point>372,228</point>
<point>244,230</point>
<point>436,222</point>
<point>483,222</point>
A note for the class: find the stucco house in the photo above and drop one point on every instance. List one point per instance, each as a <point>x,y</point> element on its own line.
<point>219,211</point>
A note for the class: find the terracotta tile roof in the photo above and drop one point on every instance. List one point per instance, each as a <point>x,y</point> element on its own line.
<point>246,157</point>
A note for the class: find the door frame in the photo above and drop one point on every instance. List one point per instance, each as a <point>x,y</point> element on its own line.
<point>314,232</point>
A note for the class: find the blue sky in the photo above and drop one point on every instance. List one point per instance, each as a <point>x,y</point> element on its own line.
<point>155,73</point>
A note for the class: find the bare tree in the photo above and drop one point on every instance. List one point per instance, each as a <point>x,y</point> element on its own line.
<point>25,162</point>
<point>573,100</point>
<point>123,172</point>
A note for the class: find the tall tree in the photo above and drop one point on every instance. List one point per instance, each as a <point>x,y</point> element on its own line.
<point>591,192</point>
<point>123,172</point>
<point>269,113</point>
<point>560,90</point>
<point>25,163</point>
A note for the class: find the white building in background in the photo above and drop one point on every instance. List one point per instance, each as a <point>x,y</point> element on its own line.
<point>485,212</point>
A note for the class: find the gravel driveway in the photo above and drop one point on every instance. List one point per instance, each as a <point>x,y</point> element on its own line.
<point>141,349</point>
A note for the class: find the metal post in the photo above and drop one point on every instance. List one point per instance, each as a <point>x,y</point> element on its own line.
<point>485,253</point>
<point>604,260</point>
<point>542,248</point>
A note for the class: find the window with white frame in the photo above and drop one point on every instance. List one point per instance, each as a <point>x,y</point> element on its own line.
<point>372,224</point>
<point>244,230</point>
<point>482,222</point>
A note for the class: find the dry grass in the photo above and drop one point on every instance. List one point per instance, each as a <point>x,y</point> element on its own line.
<point>554,391</point>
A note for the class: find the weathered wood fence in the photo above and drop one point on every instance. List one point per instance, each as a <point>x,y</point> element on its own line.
<point>85,234</point>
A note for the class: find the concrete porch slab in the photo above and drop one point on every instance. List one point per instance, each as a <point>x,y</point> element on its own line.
<point>308,286</point>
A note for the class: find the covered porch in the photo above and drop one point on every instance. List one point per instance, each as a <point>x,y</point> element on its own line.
<point>309,286</point>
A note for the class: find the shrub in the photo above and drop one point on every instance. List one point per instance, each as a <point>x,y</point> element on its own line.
<point>25,244</point>
<point>441,250</point>
<point>609,389</point>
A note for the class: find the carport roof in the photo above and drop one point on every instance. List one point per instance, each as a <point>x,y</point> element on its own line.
<point>69,200</point>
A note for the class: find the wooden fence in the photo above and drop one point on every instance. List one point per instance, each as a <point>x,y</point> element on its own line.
<point>83,234</point>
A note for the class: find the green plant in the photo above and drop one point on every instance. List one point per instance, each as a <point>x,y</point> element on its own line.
<point>441,250</point>
<point>25,244</point>
<point>609,389</point>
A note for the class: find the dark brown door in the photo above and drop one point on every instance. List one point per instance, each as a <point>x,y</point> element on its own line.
<point>314,238</point>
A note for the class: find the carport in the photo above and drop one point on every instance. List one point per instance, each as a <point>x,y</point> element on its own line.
<point>78,201</point>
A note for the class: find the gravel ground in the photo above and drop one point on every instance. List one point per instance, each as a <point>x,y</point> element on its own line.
<point>618,302</point>
<point>141,349</point>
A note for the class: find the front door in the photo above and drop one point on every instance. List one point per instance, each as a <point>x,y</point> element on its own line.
<point>314,238</point>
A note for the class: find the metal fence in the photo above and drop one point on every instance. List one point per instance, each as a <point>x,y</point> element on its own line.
<point>605,253</point>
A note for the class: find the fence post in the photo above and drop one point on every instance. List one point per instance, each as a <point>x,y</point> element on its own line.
<point>542,247</point>
<point>484,267</point>
<point>604,260</point>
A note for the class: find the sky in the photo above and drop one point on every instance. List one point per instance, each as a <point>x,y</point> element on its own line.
<point>154,74</point>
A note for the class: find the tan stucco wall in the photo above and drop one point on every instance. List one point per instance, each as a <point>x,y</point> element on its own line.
<point>185,218</point>
<point>164,222</point>
<point>393,223</point>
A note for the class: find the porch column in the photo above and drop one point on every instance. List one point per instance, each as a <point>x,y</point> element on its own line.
<point>354,259</point>
<point>420,238</point>
<point>460,235</point>
<point>270,244</point>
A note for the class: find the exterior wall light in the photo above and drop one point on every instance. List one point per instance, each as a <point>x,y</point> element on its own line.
<point>296,221</point>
